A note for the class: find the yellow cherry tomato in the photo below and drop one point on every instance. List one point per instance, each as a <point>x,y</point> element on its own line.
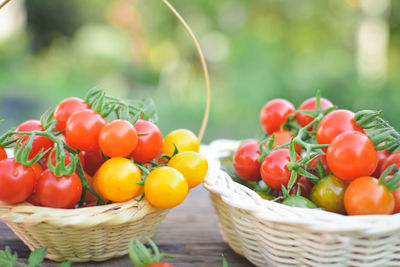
<point>192,165</point>
<point>116,180</point>
<point>184,140</point>
<point>165,187</point>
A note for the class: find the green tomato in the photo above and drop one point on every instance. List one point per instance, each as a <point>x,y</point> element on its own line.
<point>265,195</point>
<point>300,202</point>
<point>328,194</point>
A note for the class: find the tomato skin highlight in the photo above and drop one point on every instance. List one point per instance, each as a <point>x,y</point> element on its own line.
<point>274,114</point>
<point>39,142</point>
<point>184,140</point>
<point>335,123</point>
<point>351,155</point>
<point>245,161</point>
<point>3,153</point>
<point>118,138</point>
<point>274,171</point>
<point>284,136</point>
<point>16,181</point>
<point>366,195</point>
<point>149,145</point>
<point>310,104</point>
<point>165,187</point>
<point>83,128</point>
<point>192,165</point>
<point>116,180</point>
<point>61,192</point>
<point>66,108</point>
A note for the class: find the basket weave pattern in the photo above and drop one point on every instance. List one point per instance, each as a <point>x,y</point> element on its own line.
<point>271,234</point>
<point>85,234</point>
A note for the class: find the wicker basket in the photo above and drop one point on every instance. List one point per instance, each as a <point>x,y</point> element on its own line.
<point>272,234</point>
<point>93,233</point>
<point>85,234</point>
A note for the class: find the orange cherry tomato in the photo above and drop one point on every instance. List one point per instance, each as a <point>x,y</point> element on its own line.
<point>366,195</point>
<point>184,140</point>
<point>165,187</point>
<point>116,180</point>
<point>192,165</point>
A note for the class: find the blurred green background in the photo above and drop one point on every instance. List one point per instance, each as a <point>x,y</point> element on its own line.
<point>256,50</point>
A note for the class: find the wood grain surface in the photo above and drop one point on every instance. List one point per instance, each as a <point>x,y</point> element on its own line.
<point>190,233</point>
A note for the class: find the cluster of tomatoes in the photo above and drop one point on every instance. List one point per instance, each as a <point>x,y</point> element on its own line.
<point>97,151</point>
<point>320,156</point>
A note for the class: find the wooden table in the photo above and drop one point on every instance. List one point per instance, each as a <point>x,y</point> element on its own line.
<point>190,233</point>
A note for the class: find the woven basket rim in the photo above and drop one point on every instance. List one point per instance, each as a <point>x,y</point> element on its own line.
<point>86,217</point>
<point>238,196</point>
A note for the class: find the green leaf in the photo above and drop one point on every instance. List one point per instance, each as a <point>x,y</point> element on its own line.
<point>292,180</point>
<point>224,262</point>
<point>37,256</point>
<point>308,175</point>
<point>7,259</point>
<point>321,169</point>
<point>64,264</point>
<point>176,150</point>
<point>292,152</point>
<point>149,109</point>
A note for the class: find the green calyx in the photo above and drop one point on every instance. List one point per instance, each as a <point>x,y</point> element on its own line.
<point>21,152</point>
<point>60,169</point>
<point>384,136</point>
<point>392,183</point>
<point>123,109</point>
<point>142,256</point>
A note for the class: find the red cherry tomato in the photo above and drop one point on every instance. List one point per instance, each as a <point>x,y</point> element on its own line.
<point>58,192</point>
<point>313,164</point>
<point>160,264</point>
<point>382,157</point>
<point>39,142</point>
<point>274,171</point>
<point>83,128</point>
<point>118,138</point>
<point>390,160</point>
<point>335,123</point>
<point>310,104</point>
<point>351,155</point>
<point>16,181</point>
<point>285,136</point>
<point>33,198</point>
<point>37,168</point>
<point>366,195</point>
<point>149,145</point>
<point>66,108</point>
<point>3,153</point>
<point>274,114</point>
<point>91,161</point>
<point>245,161</point>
